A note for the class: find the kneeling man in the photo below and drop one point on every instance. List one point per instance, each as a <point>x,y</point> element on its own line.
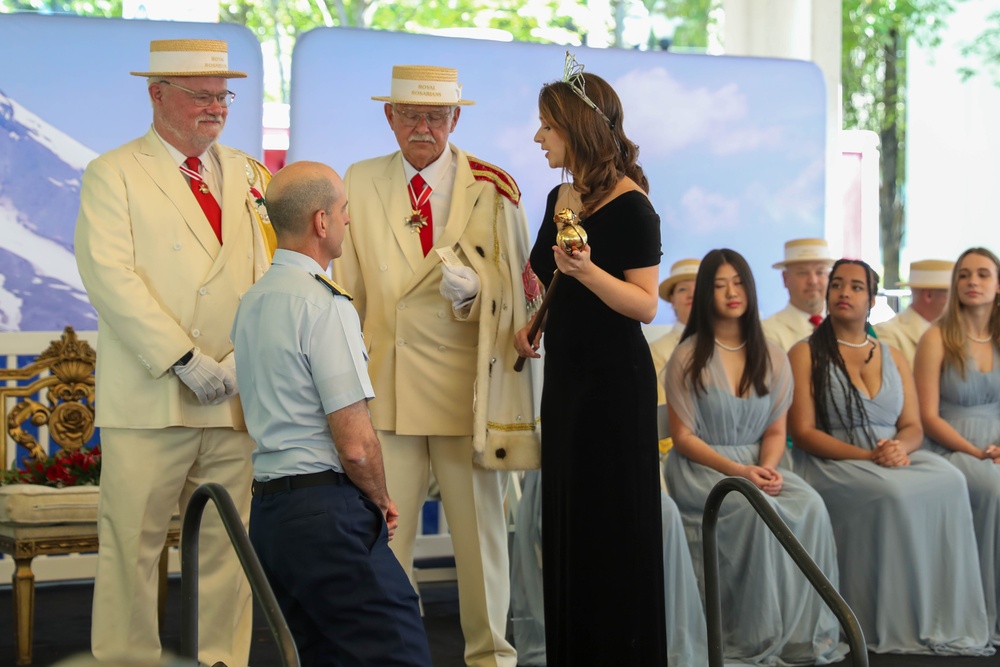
<point>321,517</point>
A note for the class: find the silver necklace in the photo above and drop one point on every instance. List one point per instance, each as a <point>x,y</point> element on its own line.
<point>854,345</point>
<point>731,349</point>
<point>988,339</point>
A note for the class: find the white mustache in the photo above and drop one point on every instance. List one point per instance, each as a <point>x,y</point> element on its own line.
<point>417,136</point>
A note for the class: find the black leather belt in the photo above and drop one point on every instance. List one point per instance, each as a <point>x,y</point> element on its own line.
<point>292,482</point>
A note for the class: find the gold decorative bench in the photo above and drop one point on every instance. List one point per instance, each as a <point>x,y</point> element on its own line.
<point>56,393</point>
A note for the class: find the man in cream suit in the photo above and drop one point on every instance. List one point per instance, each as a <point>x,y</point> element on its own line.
<point>169,236</point>
<point>805,272</point>
<point>439,330</point>
<point>677,290</point>
<point>929,282</point>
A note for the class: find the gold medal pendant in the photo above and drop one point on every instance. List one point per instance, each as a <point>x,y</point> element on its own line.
<point>203,188</point>
<point>416,221</point>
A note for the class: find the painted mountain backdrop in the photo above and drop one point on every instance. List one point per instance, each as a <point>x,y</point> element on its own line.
<point>40,172</point>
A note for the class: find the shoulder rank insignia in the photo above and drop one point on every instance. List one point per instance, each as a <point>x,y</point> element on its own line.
<point>332,286</point>
<point>501,180</point>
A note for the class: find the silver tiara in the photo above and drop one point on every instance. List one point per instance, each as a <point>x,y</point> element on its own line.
<point>573,75</point>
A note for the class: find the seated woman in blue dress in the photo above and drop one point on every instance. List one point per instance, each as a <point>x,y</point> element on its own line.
<point>957,374</point>
<point>728,391</point>
<point>901,517</point>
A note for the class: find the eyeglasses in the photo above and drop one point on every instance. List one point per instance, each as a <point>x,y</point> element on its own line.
<point>205,99</point>
<point>434,119</point>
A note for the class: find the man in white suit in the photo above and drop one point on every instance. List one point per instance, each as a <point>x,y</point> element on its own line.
<point>805,272</point>
<point>439,330</point>
<point>929,282</point>
<point>170,234</point>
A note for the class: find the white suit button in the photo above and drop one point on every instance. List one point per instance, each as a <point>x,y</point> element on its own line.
<point>441,314</point>
<point>401,306</point>
<point>442,348</point>
<point>400,342</point>
<point>195,333</point>
<point>177,246</point>
<point>203,291</point>
<point>383,267</point>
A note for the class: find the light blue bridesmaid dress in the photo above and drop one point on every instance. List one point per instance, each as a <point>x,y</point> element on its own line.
<point>905,540</point>
<point>771,615</point>
<point>972,406</point>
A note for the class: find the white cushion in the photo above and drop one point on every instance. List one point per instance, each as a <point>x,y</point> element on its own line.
<point>35,504</point>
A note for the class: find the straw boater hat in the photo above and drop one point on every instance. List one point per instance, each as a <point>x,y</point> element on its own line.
<point>189,57</point>
<point>684,269</point>
<point>425,85</point>
<point>805,250</point>
<point>929,274</point>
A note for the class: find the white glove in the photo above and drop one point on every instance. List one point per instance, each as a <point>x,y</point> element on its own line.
<point>228,363</point>
<point>459,284</point>
<point>206,378</point>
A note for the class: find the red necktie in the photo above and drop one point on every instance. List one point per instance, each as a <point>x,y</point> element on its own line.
<point>420,200</point>
<point>192,169</point>
<point>815,320</point>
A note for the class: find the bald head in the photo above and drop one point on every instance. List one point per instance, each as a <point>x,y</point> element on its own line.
<point>294,196</point>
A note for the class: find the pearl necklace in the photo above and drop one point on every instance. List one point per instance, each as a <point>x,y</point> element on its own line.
<point>731,349</point>
<point>988,339</point>
<point>854,345</point>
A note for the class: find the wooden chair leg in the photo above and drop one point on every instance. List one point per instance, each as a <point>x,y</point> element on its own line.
<point>23,588</point>
<point>161,597</point>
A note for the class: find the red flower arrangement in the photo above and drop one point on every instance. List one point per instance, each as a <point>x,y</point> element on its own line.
<point>78,468</point>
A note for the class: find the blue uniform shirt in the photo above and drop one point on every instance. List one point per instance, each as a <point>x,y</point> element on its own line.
<point>300,356</point>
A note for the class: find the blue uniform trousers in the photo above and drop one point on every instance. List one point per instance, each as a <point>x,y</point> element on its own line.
<point>346,598</point>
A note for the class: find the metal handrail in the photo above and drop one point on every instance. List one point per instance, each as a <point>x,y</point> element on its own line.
<point>713,605</point>
<point>248,559</point>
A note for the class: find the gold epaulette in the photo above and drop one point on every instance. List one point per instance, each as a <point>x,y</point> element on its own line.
<point>332,286</point>
<point>501,180</point>
<point>258,173</point>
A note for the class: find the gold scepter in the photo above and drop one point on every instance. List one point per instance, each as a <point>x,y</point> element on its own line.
<point>570,236</point>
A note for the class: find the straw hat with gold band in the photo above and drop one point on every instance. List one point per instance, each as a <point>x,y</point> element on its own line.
<point>929,274</point>
<point>189,57</point>
<point>805,250</point>
<point>425,85</point>
<point>683,269</point>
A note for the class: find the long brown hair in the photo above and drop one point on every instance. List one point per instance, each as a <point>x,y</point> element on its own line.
<point>701,324</point>
<point>598,154</point>
<point>953,328</point>
<point>825,352</point>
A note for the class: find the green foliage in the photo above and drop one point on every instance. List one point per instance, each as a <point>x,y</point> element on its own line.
<point>105,8</point>
<point>985,49</point>
<point>874,32</point>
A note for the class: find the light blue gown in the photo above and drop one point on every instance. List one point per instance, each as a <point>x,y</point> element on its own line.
<point>771,615</point>
<point>685,619</point>
<point>972,406</point>
<point>905,539</point>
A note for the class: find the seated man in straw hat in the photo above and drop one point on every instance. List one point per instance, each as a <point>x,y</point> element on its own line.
<point>169,236</point>
<point>929,282</point>
<point>678,291</point>
<point>805,272</point>
<point>435,258</point>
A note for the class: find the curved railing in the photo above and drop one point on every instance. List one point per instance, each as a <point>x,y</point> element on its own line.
<point>248,559</point>
<point>713,606</point>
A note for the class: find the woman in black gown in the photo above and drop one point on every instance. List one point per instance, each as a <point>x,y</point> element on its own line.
<point>601,536</point>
